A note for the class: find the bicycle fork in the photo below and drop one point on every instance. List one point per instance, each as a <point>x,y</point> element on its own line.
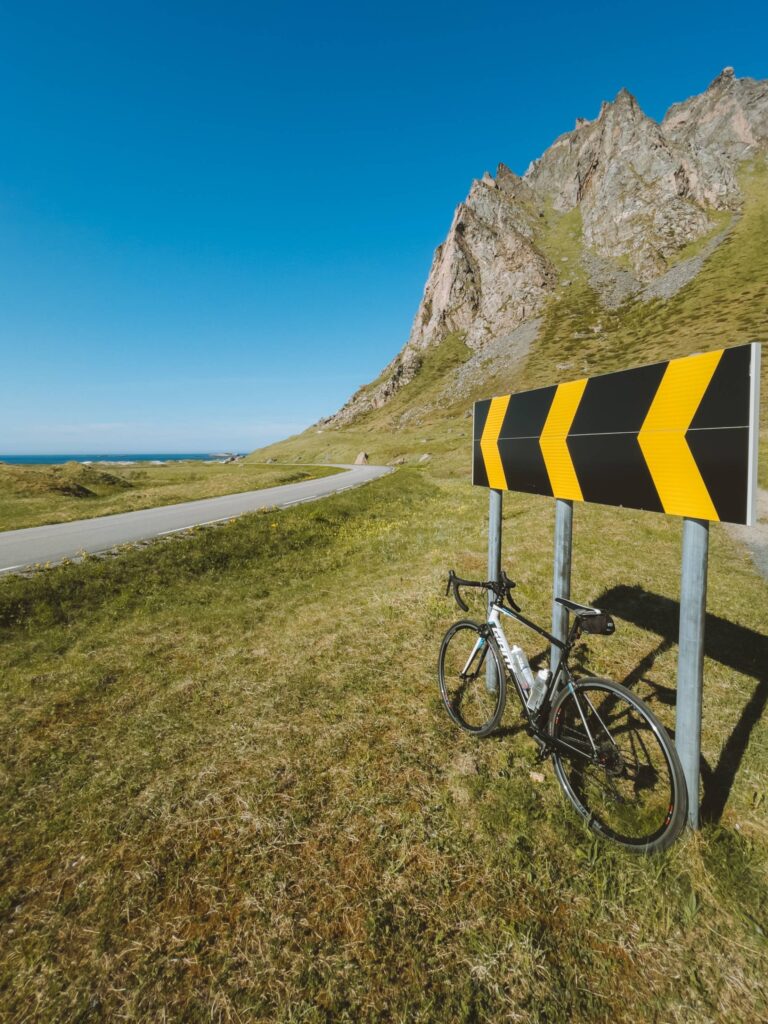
<point>479,646</point>
<point>494,626</point>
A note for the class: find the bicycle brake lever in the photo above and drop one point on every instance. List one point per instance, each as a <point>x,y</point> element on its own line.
<point>459,600</point>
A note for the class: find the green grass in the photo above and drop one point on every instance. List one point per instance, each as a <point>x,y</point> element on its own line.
<point>230,792</point>
<point>32,496</point>
<point>559,238</point>
<point>720,220</point>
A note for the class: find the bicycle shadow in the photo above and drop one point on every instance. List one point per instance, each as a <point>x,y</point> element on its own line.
<point>735,646</point>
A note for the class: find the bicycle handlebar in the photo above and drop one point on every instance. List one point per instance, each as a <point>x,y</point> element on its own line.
<point>453,585</point>
<point>502,590</point>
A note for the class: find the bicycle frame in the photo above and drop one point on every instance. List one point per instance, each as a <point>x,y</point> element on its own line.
<point>548,743</point>
<point>611,755</point>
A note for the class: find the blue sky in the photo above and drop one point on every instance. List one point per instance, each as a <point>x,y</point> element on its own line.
<point>216,219</point>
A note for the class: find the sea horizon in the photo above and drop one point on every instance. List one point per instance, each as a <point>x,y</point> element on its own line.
<point>57,459</point>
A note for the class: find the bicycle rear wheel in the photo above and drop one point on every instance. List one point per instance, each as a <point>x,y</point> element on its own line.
<point>624,776</point>
<point>464,656</point>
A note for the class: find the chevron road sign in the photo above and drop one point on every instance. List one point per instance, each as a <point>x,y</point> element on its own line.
<point>678,437</point>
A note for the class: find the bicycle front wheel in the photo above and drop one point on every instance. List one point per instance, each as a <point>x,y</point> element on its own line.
<point>473,697</point>
<point>622,773</point>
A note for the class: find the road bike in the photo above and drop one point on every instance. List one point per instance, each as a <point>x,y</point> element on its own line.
<point>612,756</point>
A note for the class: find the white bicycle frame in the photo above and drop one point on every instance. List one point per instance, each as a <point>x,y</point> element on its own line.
<point>499,636</point>
<point>494,621</point>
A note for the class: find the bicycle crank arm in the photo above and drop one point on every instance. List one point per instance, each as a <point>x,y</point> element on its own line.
<point>549,744</point>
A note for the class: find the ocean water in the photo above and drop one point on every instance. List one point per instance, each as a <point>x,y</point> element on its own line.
<point>56,460</point>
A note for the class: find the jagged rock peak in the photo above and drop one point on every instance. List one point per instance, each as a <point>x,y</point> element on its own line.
<point>511,184</point>
<point>624,101</point>
<point>502,171</point>
<point>625,98</point>
<point>725,77</point>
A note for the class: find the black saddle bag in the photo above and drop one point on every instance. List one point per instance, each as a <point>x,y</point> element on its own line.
<point>602,624</point>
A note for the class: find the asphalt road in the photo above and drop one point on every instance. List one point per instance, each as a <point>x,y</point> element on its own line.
<point>40,544</point>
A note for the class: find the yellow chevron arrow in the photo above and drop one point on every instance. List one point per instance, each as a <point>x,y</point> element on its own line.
<point>557,458</point>
<point>489,443</point>
<point>662,437</point>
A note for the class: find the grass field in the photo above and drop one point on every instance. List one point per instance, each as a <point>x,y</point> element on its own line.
<point>34,495</point>
<point>230,792</point>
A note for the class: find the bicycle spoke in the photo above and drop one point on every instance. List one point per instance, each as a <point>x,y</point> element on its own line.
<point>462,672</point>
<point>626,790</point>
<point>597,716</point>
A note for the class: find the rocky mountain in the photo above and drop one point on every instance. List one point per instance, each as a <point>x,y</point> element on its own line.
<point>642,195</point>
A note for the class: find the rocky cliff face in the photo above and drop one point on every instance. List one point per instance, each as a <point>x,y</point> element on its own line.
<point>643,190</point>
<point>639,197</point>
<point>488,257</point>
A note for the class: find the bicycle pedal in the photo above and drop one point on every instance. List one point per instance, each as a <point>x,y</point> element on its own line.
<point>543,752</point>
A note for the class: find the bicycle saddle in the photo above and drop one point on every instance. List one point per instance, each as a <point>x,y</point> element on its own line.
<point>574,606</point>
<point>591,620</point>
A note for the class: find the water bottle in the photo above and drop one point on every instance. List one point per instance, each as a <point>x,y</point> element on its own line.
<point>539,689</point>
<point>522,669</point>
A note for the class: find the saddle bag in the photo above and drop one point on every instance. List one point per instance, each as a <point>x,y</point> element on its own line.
<point>602,624</point>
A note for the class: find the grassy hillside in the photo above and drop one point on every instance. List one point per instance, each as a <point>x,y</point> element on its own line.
<point>34,495</point>
<point>230,792</point>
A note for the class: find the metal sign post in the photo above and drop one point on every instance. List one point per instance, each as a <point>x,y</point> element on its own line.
<point>561,583</point>
<point>690,659</point>
<point>494,572</point>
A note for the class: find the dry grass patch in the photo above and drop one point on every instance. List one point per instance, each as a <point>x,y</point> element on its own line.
<point>231,792</point>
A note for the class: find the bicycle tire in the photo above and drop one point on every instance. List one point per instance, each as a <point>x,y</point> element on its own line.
<point>637,795</point>
<point>465,697</point>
